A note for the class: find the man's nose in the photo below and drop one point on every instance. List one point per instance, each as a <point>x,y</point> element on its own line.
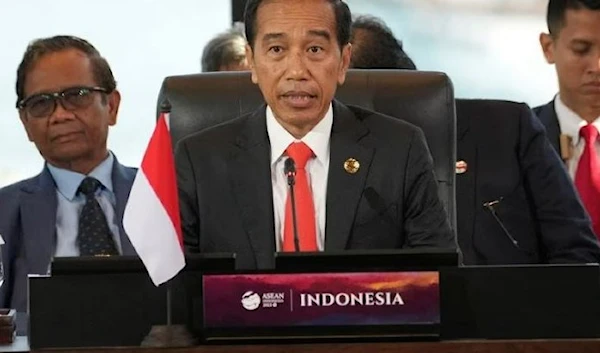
<point>594,67</point>
<point>60,114</point>
<point>296,66</point>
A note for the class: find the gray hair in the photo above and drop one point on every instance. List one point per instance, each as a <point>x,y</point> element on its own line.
<point>223,50</point>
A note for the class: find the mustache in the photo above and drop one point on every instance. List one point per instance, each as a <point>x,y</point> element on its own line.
<point>594,78</point>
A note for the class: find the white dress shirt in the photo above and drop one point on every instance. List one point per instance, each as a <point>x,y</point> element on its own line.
<point>570,123</point>
<point>317,168</point>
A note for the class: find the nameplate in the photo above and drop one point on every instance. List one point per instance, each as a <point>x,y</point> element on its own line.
<point>321,299</point>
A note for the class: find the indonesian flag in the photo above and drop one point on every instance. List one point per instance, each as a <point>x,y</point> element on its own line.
<point>151,218</point>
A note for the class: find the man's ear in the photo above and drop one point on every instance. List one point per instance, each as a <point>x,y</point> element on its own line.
<point>547,44</point>
<point>114,101</point>
<point>250,61</point>
<point>344,63</point>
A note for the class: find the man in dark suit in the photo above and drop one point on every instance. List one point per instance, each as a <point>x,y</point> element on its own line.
<point>573,46</point>
<point>67,99</point>
<point>363,180</point>
<point>515,201</point>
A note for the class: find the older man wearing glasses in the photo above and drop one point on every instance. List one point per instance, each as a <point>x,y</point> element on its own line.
<point>67,99</point>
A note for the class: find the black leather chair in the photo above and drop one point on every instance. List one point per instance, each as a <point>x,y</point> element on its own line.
<point>424,99</point>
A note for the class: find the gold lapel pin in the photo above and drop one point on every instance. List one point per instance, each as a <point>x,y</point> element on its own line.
<point>461,167</point>
<point>351,165</point>
<point>566,147</point>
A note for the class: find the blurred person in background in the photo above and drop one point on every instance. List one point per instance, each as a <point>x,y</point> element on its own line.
<point>572,118</point>
<point>382,52</point>
<point>515,201</point>
<point>226,52</point>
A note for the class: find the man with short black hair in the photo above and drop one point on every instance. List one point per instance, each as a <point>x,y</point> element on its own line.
<point>572,118</point>
<point>515,202</point>
<point>67,100</point>
<point>233,189</point>
<point>375,47</point>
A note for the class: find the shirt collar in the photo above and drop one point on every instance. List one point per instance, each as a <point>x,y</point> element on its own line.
<point>317,139</point>
<point>570,122</point>
<point>68,181</point>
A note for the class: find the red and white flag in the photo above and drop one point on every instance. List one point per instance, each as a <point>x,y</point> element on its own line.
<point>151,218</point>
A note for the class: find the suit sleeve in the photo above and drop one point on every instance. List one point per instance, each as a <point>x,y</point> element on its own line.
<point>425,218</point>
<point>565,228</point>
<point>9,223</point>
<point>188,200</point>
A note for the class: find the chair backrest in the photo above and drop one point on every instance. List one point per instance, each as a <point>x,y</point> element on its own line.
<point>425,99</point>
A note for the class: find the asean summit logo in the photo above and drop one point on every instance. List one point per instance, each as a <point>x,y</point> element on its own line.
<point>250,301</point>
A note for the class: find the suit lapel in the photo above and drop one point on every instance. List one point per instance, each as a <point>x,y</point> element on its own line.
<point>466,181</point>
<point>122,181</point>
<point>548,117</point>
<point>344,190</point>
<point>38,217</point>
<point>250,178</point>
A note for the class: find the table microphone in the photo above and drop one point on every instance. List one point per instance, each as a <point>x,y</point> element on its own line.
<point>290,172</point>
<point>491,206</point>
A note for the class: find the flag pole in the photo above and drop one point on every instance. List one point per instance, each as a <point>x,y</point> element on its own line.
<point>165,108</point>
<point>169,310</point>
<point>154,194</point>
<point>163,335</point>
<point>176,335</point>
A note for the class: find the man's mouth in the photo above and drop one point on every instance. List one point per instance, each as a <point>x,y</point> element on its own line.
<point>298,99</point>
<point>65,136</point>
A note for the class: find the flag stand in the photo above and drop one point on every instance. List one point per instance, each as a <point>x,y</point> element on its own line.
<point>169,309</point>
<point>168,335</point>
<point>152,210</point>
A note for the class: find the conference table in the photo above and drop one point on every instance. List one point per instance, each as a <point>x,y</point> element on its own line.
<point>508,309</point>
<point>466,346</point>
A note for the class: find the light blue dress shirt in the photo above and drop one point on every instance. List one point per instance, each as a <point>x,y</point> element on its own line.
<point>70,204</point>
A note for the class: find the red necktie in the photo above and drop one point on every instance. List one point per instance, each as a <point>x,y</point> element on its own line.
<point>587,177</point>
<point>305,208</point>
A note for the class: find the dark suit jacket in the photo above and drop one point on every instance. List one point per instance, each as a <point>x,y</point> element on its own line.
<point>226,194</point>
<point>510,160</point>
<point>28,225</point>
<point>547,115</point>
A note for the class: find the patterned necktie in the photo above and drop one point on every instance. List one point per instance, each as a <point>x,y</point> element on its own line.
<point>94,237</point>
<point>305,208</point>
<point>587,176</point>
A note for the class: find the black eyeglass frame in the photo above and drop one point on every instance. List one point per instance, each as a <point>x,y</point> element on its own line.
<point>55,96</point>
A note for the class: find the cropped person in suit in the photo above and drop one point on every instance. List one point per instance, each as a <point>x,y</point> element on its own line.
<point>572,118</point>
<point>226,51</point>
<point>67,100</point>
<point>363,180</point>
<point>515,201</point>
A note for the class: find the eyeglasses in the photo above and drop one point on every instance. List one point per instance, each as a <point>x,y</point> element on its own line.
<point>44,104</point>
